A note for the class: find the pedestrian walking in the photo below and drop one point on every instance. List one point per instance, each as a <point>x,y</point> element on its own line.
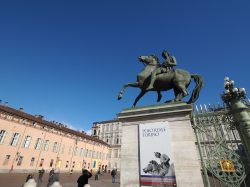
<point>51,172</point>
<point>97,175</point>
<point>83,179</point>
<point>40,177</point>
<point>30,176</point>
<point>53,177</point>
<point>113,174</point>
<point>30,183</point>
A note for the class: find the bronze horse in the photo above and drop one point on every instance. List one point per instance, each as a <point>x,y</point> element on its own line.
<point>177,79</point>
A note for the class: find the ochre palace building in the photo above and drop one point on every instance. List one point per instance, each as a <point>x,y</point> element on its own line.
<point>29,143</point>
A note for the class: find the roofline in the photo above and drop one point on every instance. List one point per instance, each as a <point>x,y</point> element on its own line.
<point>107,121</point>
<point>48,124</point>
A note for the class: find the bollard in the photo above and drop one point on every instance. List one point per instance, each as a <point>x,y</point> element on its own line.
<point>56,184</point>
<point>30,183</point>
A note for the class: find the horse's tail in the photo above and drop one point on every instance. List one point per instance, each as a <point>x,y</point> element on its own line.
<point>199,84</point>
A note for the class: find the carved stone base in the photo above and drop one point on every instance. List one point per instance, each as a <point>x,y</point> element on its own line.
<point>182,142</point>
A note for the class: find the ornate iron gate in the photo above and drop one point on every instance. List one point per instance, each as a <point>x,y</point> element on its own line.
<point>221,152</point>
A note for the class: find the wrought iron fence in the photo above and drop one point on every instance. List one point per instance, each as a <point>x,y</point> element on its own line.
<point>222,156</point>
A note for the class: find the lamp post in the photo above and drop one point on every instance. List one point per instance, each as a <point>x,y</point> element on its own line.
<point>233,98</point>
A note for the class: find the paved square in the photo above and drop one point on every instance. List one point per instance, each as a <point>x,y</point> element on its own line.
<point>67,180</point>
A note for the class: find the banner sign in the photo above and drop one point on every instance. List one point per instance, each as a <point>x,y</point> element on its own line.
<point>156,166</point>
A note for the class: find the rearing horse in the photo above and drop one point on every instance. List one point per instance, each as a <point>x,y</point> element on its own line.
<point>177,79</point>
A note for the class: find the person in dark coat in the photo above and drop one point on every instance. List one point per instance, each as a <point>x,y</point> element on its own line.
<point>53,178</point>
<point>113,174</point>
<point>83,179</point>
<point>30,176</point>
<point>40,177</point>
<point>51,172</point>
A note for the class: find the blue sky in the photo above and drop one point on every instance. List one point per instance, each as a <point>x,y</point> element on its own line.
<point>67,60</point>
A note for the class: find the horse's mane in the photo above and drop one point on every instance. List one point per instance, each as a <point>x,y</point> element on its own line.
<point>156,58</point>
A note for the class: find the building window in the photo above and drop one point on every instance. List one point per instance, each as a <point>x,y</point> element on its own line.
<point>75,151</point>
<point>41,163</point>
<point>32,161</point>
<point>38,143</point>
<point>81,152</point>
<point>55,147</point>
<point>19,160</point>
<point>2,136</point>
<point>115,153</point>
<point>117,140</point>
<point>6,160</point>
<point>109,155</point>
<point>26,142</point>
<point>67,164</point>
<point>86,153</point>
<point>70,150</point>
<point>62,149</point>
<point>46,145</point>
<point>14,139</point>
<point>51,163</point>
<point>90,153</point>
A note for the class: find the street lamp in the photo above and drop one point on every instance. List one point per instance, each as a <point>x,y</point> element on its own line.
<point>233,97</point>
<point>232,93</point>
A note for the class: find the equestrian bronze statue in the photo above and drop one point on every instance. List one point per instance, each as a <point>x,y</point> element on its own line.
<point>162,77</point>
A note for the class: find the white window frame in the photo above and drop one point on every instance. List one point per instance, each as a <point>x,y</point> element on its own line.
<point>38,143</point>
<point>26,142</point>
<point>2,136</point>
<point>14,139</point>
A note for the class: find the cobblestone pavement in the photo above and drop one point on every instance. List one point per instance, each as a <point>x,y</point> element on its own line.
<point>67,180</point>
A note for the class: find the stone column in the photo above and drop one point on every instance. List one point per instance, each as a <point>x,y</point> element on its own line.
<point>182,142</point>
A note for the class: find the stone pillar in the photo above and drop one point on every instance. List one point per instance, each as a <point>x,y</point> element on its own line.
<point>182,142</point>
<point>241,115</point>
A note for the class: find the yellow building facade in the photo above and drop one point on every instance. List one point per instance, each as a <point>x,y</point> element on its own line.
<point>29,143</point>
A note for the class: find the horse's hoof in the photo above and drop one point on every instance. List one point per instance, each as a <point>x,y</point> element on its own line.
<point>119,97</point>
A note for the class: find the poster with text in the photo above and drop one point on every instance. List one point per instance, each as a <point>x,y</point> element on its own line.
<point>156,164</point>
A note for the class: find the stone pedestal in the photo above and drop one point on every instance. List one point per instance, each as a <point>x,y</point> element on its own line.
<point>182,143</point>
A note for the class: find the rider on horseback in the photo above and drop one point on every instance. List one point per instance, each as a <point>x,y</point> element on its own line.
<point>164,162</point>
<point>166,66</point>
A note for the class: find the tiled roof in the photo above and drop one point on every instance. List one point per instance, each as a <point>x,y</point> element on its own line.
<point>49,124</point>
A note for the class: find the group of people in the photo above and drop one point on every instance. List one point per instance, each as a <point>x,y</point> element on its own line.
<point>54,177</point>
